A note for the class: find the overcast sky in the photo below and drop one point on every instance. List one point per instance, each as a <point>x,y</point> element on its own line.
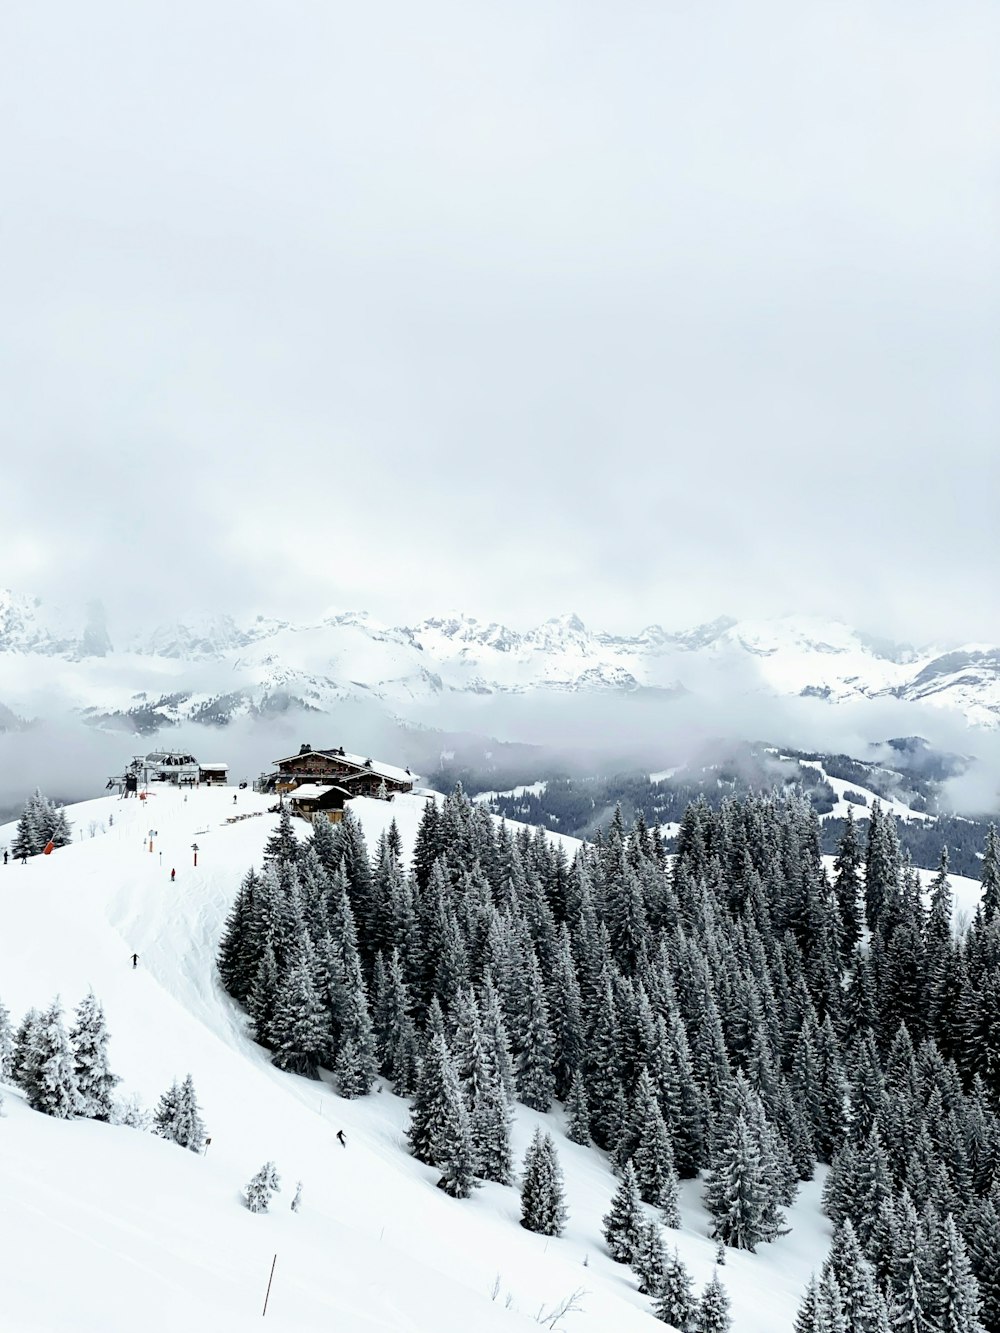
<point>651,310</point>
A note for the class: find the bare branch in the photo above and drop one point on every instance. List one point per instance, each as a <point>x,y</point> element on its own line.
<point>571,1304</point>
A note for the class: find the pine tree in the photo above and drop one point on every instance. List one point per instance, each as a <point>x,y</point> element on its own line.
<point>6,1046</point>
<point>178,1116</point>
<point>882,868</point>
<point>847,885</point>
<point>54,1088</point>
<point>956,1298</point>
<point>675,1303</point>
<point>712,1315</point>
<point>871,1186</point>
<point>495,1034</point>
<point>95,1081</point>
<point>831,1305</point>
<point>910,1275</point>
<point>264,995</point>
<point>427,1109</point>
<point>738,1193</point>
<point>354,1076</point>
<point>490,1129</point>
<point>24,1058</point>
<point>282,845</point>
<point>41,823</point>
<point>808,1319</point>
<point>603,1065</point>
<point>263,1185</point>
<point>300,1026</point>
<point>453,1150</point>
<point>535,1081</point>
<point>578,1112</point>
<point>542,1200</point>
<point>990,874</point>
<point>862,1303</point>
<point>984,1251</point>
<point>392,1020</point>
<point>652,1153</point>
<point>649,1259</point>
<point>239,949</point>
<point>622,1225</point>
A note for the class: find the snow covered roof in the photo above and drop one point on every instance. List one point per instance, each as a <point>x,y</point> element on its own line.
<point>358,761</point>
<point>215,768</point>
<point>313,791</point>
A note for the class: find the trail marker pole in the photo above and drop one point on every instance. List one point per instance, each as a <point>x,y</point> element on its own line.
<point>267,1297</point>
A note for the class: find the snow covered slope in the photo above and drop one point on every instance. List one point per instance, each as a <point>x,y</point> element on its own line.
<point>212,668</point>
<point>844,806</point>
<point>104,1229</point>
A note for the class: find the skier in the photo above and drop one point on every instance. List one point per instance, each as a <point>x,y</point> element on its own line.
<point>234,800</point>
<point>24,858</point>
<point>340,1138</point>
<point>135,961</point>
<point>173,876</point>
<point>5,856</point>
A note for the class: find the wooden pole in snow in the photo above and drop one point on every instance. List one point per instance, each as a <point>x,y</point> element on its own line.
<point>269,1281</point>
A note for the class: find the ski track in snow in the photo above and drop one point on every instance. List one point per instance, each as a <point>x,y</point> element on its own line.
<point>106,1229</point>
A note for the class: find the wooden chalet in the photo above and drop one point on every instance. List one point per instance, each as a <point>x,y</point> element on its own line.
<point>322,780</point>
<point>312,801</point>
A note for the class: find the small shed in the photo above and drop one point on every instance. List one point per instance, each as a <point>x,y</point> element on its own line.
<point>314,799</point>
<point>213,775</point>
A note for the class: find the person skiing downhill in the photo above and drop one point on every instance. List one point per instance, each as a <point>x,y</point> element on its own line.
<point>340,1138</point>
<point>173,876</point>
<point>135,961</point>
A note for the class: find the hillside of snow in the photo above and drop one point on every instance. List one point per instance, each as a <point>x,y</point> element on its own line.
<point>212,669</point>
<point>106,1229</point>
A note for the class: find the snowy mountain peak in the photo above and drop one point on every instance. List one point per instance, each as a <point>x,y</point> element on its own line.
<point>212,667</point>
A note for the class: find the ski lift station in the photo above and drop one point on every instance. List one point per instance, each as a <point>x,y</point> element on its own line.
<point>171,767</point>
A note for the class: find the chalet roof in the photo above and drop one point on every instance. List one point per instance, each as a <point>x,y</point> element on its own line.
<point>315,791</point>
<point>214,768</point>
<point>355,760</point>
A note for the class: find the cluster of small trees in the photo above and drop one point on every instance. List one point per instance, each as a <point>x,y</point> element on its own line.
<point>62,1073</point>
<point>66,1073</point>
<point>737,1011</point>
<point>41,822</point>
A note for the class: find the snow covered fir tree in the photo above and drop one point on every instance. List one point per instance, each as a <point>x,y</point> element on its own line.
<point>42,822</point>
<point>734,1013</point>
<point>63,1073</point>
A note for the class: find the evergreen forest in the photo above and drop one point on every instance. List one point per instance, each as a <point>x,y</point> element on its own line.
<point>733,1013</point>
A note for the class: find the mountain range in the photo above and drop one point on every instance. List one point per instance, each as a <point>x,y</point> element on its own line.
<point>211,669</point>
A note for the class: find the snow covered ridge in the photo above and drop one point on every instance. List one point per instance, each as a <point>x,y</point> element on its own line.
<point>212,668</point>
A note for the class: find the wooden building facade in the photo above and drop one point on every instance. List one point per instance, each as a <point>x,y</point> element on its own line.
<point>318,782</point>
<point>312,801</point>
<point>361,776</point>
